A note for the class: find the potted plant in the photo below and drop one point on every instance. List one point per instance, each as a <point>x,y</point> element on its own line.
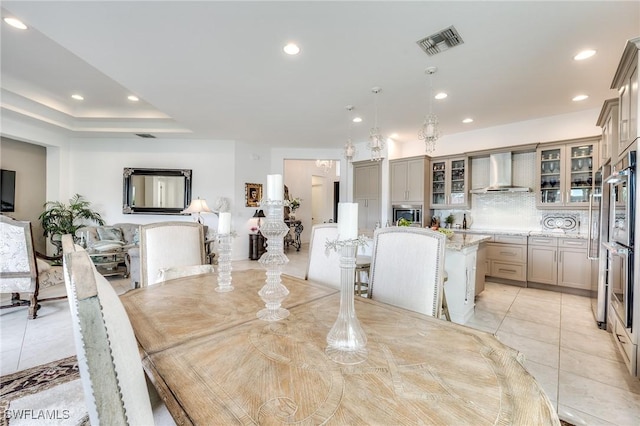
<point>294,204</point>
<point>450,219</point>
<point>59,218</point>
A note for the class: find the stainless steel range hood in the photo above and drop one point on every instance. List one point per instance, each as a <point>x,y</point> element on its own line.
<point>500,176</point>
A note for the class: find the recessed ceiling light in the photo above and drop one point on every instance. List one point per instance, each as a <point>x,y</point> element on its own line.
<point>467,120</point>
<point>291,49</point>
<point>584,54</point>
<point>580,98</point>
<point>441,95</point>
<point>357,119</point>
<point>16,23</point>
<point>77,97</point>
<point>133,98</point>
<point>393,135</point>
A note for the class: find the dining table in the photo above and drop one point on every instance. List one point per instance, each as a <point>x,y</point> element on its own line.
<point>213,362</point>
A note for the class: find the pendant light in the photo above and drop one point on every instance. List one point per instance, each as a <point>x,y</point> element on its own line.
<point>376,140</point>
<point>430,131</point>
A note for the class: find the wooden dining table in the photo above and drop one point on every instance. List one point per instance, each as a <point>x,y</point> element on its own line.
<point>214,363</point>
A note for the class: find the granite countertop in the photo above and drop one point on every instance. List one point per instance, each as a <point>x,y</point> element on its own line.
<point>524,233</point>
<point>463,240</point>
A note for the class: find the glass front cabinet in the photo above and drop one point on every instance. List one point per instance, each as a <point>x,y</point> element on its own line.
<point>449,183</point>
<point>565,173</point>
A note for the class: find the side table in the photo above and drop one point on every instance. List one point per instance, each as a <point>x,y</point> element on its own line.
<point>110,263</point>
<point>293,237</point>
<point>256,246</point>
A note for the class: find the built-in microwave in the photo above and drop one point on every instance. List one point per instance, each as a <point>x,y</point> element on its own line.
<point>411,213</point>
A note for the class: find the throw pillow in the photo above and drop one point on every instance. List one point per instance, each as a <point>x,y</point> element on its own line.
<point>110,233</point>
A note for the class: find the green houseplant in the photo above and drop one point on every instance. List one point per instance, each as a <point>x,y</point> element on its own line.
<point>59,218</point>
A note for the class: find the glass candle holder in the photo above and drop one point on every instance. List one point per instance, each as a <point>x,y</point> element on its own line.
<point>224,264</point>
<point>273,260</point>
<point>346,341</point>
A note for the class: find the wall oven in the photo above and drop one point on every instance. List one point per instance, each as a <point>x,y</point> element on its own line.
<point>621,237</point>
<point>410,213</point>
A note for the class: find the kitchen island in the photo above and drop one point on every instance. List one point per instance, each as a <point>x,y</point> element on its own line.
<point>460,264</point>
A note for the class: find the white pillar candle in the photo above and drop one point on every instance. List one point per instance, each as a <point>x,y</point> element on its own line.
<point>275,188</point>
<point>224,223</point>
<point>347,221</point>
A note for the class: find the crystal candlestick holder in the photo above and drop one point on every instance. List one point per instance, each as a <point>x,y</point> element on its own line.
<point>273,260</point>
<point>224,264</point>
<point>346,340</point>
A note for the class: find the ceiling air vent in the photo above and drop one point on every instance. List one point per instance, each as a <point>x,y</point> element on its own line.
<point>146,135</point>
<point>441,41</point>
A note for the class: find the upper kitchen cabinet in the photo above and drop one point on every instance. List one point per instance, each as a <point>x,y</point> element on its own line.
<point>565,173</point>
<point>608,120</point>
<point>449,183</point>
<point>626,82</point>
<point>409,182</point>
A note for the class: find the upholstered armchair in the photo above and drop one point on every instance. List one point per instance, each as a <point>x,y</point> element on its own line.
<point>20,270</point>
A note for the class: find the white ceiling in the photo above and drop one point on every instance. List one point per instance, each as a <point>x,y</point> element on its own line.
<point>216,70</point>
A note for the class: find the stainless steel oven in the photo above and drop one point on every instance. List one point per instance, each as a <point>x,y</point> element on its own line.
<point>411,213</point>
<point>621,237</point>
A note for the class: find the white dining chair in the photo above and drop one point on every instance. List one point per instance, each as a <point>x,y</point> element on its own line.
<point>324,267</point>
<point>172,273</point>
<point>407,268</point>
<point>108,358</point>
<point>169,245</point>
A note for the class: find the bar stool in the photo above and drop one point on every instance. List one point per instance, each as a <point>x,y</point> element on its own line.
<point>363,264</point>
<point>445,307</point>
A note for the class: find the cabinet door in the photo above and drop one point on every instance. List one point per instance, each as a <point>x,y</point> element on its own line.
<point>542,265</point>
<point>574,269</point>
<point>415,181</point>
<point>439,183</point>
<point>550,176</point>
<point>580,167</point>
<point>633,108</point>
<point>625,112</point>
<point>398,172</point>
<point>458,185</point>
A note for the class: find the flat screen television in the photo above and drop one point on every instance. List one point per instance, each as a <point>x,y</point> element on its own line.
<point>7,190</point>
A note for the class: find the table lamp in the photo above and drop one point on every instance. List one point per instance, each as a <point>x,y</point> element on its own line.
<point>197,207</point>
<point>259,214</point>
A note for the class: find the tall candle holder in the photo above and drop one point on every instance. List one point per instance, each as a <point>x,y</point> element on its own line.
<point>224,263</point>
<point>346,340</point>
<point>273,260</point>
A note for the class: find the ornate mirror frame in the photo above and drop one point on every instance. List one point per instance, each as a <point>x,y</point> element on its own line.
<point>128,192</point>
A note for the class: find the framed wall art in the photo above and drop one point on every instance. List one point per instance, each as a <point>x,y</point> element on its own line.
<point>253,194</point>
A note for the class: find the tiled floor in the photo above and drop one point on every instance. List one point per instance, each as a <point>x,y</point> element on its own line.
<point>576,363</point>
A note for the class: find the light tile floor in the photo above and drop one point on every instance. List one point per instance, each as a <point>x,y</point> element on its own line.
<point>576,363</point>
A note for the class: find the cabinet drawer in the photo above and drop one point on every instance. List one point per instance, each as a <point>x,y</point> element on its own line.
<point>573,242</point>
<point>511,239</point>
<point>509,271</point>
<point>623,341</point>
<point>543,241</point>
<point>508,253</point>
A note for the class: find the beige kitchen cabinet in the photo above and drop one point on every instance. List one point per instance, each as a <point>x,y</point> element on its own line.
<point>565,173</point>
<point>626,82</point>
<point>608,121</point>
<point>408,180</point>
<point>449,183</point>
<point>481,267</point>
<point>559,261</point>
<point>366,192</point>
<point>507,257</point>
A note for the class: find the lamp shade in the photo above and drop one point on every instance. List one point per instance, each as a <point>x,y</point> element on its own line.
<point>259,213</point>
<point>198,206</point>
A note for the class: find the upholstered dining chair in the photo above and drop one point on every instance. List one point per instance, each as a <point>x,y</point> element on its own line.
<point>169,245</point>
<point>324,267</point>
<point>22,269</point>
<point>110,367</point>
<point>407,268</point>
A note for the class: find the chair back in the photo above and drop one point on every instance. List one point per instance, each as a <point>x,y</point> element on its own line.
<point>108,358</point>
<point>18,271</point>
<point>407,268</point>
<point>167,245</point>
<point>323,267</point>
<point>184,271</point>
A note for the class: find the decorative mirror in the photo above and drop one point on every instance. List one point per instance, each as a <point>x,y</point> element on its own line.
<point>155,191</point>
